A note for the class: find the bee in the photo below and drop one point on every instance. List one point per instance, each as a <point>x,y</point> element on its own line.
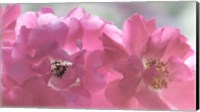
<point>58,67</point>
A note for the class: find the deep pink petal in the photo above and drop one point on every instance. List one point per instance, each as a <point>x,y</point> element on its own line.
<point>179,71</point>
<point>11,14</point>
<point>136,33</point>
<point>46,9</point>
<point>181,95</point>
<point>151,99</point>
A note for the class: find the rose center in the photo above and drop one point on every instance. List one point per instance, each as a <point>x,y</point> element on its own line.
<point>58,67</point>
<point>161,81</point>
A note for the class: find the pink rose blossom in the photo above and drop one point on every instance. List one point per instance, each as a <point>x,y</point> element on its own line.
<point>155,69</point>
<point>44,54</point>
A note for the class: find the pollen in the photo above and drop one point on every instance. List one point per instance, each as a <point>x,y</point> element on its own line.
<point>58,67</point>
<point>161,81</point>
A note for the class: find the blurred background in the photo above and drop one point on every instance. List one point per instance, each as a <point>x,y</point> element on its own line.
<point>180,14</point>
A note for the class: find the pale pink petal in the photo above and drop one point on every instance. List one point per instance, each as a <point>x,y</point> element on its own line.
<point>94,78</point>
<point>28,19</point>
<point>149,74</point>
<point>20,50</point>
<point>21,71</point>
<point>181,95</point>
<point>92,26</point>
<point>136,33</point>
<point>46,18</point>
<point>125,88</point>
<point>117,95</point>
<point>99,101</point>
<point>77,13</point>
<point>8,35</point>
<point>6,60</point>
<point>151,24</point>
<point>159,41</point>
<point>43,68</point>
<point>60,54</point>
<point>151,99</point>
<point>75,33</point>
<point>53,32</point>
<point>43,96</point>
<point>11,14</point>
<point>112,49</point>
<point>77,97</point>
<point>178,47</point>
<point>179,71</point>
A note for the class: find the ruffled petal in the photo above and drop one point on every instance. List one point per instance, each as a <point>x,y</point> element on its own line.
<point>28,19</point>
<point>112,49</point>
<point>136,33</point>
<point>75,34</point>
<point>179,71</point>
<point>45,10</point>
<point>46,18</point>
<point>119,96</point>
<point>178,47</point>
<point>125,88</point>
<point>43,96</point>
<point>181,95</point>
<point>159,41</point>
<point>43,68</point>
<point>94,78</point>
<point>92,26</point>
<point>10,15</point>
<point>77,13</point>
<point>151,99</point>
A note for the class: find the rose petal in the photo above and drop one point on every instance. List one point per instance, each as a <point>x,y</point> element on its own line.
<point>92,26</point>
<point>28,19</point>
<point>159,41</point>
<point>136,33</point>
<point>151,99</point>
<point>43,95</point>
<point>112,49</point>
<point>46,9</point>
<point>75,33</point>
<point>184,101</point>
<point>178,71</point>
<point>77,13</point>
<point>178,47</point>
<point>10,15</point>
<point>94,78</point>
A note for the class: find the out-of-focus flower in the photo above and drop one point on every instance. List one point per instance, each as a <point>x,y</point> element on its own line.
<point>154,71</point>
<point>50,52</point>
<point>8,19</point>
